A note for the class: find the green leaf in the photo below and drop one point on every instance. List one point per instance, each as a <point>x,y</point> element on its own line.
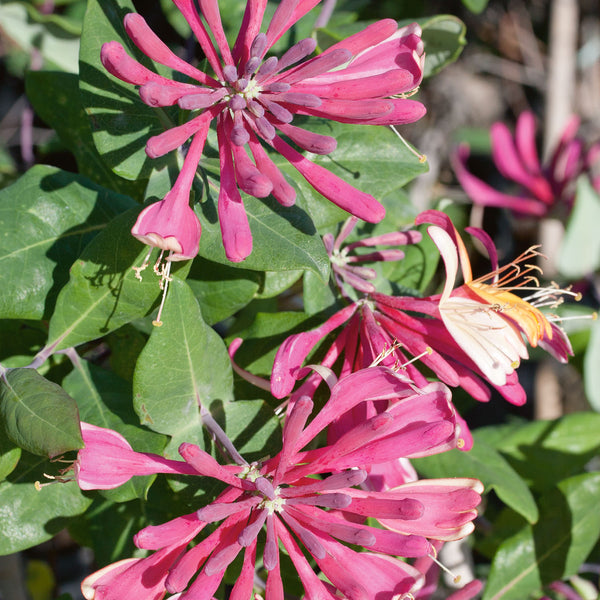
<point>284,238</point>
<point>475,6</point>
<point>370,158</point>
<point>184,365</point>
<point>109,528</point>
<point>591,373</point>
<point>54,38</point>
<point>264,336</point>
<point>444,39</point>
<point>56,99</point>
<point>567,444</point>
<point>104,400</point>
<point>121,122</point>
<point>9,456</point>
<point>30,517</point>
<point>38,415</point>
<point>580,250</point>
<point>103,292</point>
<point>318,296</point>
<point>47,217</point>
<point>221,290</point>
<point>555,547</point>
<point>276,282</point>
<point>486,464</point>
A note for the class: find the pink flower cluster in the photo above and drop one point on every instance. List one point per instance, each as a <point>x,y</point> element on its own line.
<point>542,188</point>
<point>305,499</point>
<point>253,98</point>
<point>469,336</point>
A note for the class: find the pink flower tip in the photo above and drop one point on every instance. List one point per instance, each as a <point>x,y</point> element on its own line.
<point>171,227</point>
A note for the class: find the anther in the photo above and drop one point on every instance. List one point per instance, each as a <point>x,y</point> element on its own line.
<point>165,278</point>
<point>143,266</point>
<point>422,157</point>
<point>455,578</point>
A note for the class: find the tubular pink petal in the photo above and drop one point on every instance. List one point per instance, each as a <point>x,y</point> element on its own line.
<point>188,10</point>
<point>468,591</point>
<point>297,99</point>
<point>388,577</point>
<point>118,63</point>
<point>485,195</point>
<point>152,46</point>
<point>312,142</point>
<point>249,29</point>
<point>271,551</point>
<point>509,164</point>
<point>202,98</point>
<point>394,238</point>
<point>210,11</point>
<point>250,532</point>
<point>217,511</point>
<point>206,465</point>
<point>347,111</point>
<point>375,383</point>
<point>155,537</point>
<point>107,460</point>
<point>403,111</point>
<point>525,142</point>
<point>379,256</point>
<point>348,198</point>
<point>235,230</point>
<point>294,424</point>
<point>297,52</point>
<point>313,586</point>
<point>157,94</point>
<point>244,584</point>
<point>161,144</point>
<point>373,86</point>
<point>295,349</point>
<point>279,112</point>
<point>315,66</point>
<point>248,177</point>
<point>278,24</point>
<point>310,541</point>
<point>188,565</point>
<point>283,192</point>
<point>368,37</point>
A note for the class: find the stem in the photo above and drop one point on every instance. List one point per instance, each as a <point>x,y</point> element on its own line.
<point>220,436</point>
<point>325,14</point>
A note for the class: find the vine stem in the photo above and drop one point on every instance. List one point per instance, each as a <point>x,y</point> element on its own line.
<point>220,436</point>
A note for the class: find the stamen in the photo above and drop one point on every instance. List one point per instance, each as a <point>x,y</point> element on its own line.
<point>165,278</point>
<point>143,266</point>
<point>422,158</point>
<point>385,353</point>
<point>38,486</point>
<point>455,578</point>
<point>157,265</point>
<point>427,352</point>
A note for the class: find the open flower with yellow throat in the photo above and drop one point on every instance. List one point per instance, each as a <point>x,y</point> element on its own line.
<point>485,316</point>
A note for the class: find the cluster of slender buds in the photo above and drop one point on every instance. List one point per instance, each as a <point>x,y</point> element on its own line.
<point>297,497</point>
<point>344,262</point>
<point>542,188</point>
<point>253,99</point>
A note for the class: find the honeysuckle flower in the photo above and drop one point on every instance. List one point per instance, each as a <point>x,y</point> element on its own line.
<point>484,316</point>
<point>107,460</point>
<point>392,330</point>
<point>542,188</point>
<point>430,567</point>
<point>343,263</point>
<point>362,80</point>
<point>308,497</point>
<point>171,224</point>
